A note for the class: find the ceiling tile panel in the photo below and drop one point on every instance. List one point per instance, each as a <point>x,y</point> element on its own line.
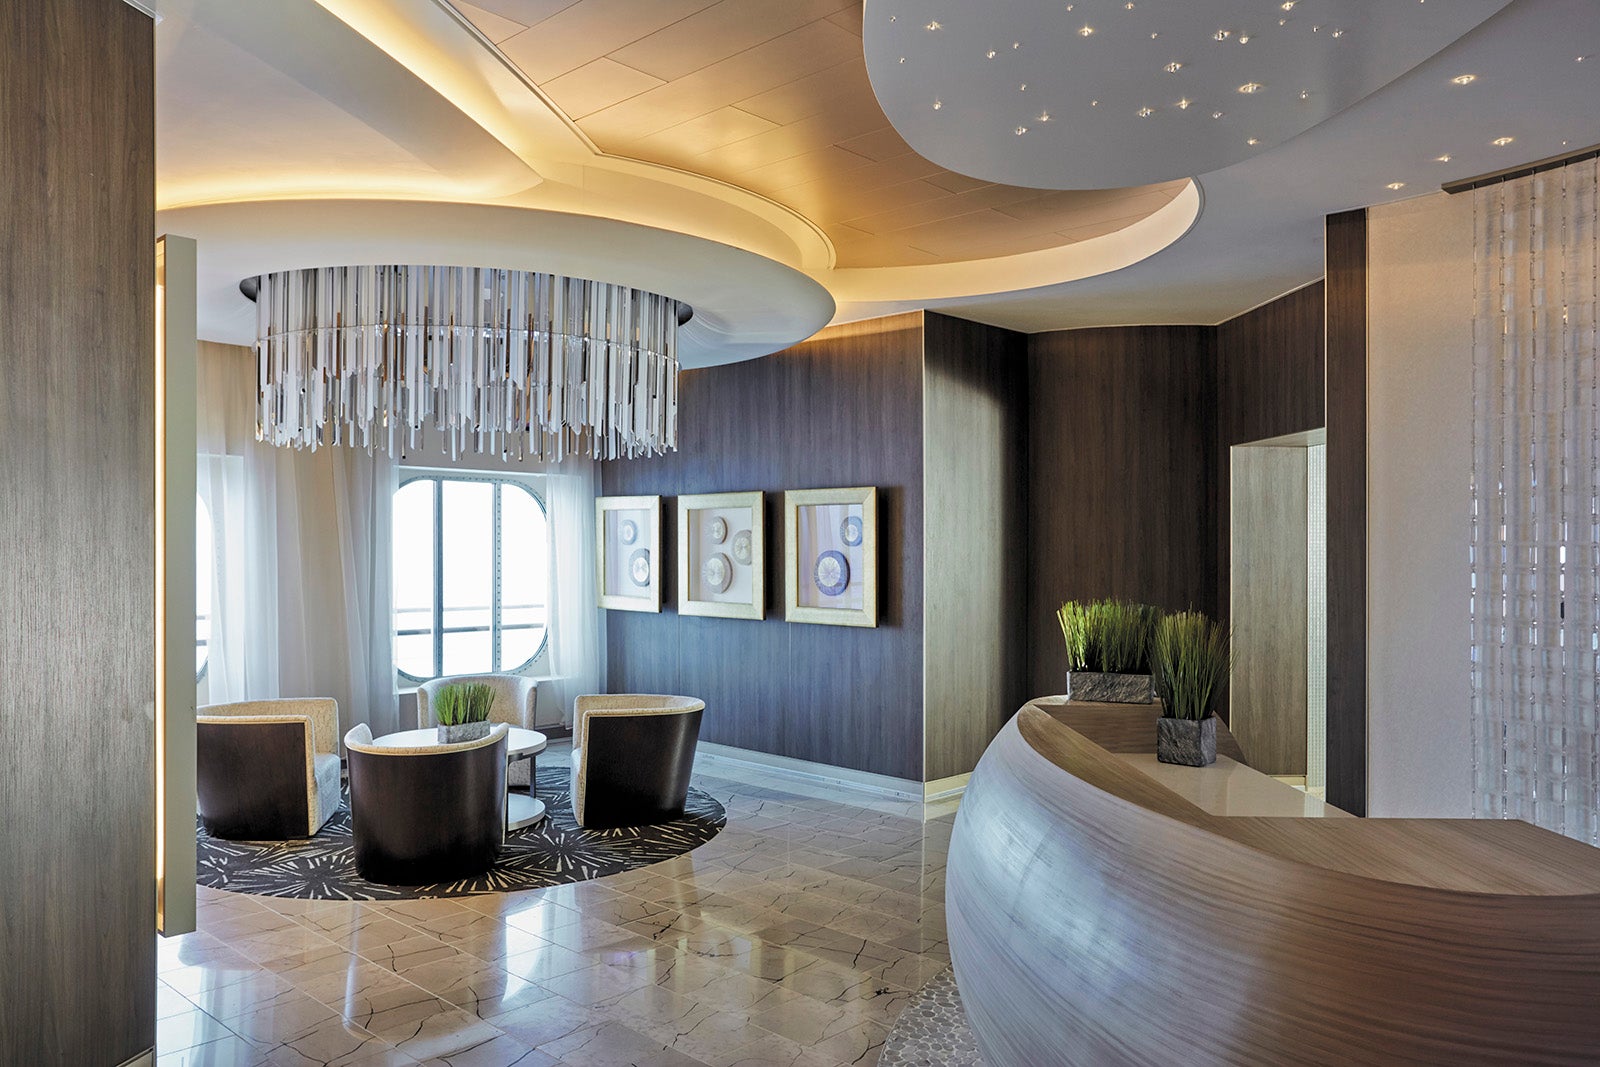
<point>841,85</point>
<point>491,25</point>
<point>525,12</point>
<point>707,132</point>
<point>719,32</point>
<point>588,30</point>
<point>794,55</point>
<point>597,85</point>
<point>821,172</point>
<point>884,143</point>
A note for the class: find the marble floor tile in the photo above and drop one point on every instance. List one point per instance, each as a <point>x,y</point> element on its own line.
<point>794,938</point>
<point>482,988</point>
<point>613,1044</point>
<point>500,1051</point>
<point>227,1051</point>
<point>188,1029</point>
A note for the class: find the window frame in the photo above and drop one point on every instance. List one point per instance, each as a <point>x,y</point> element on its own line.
<point>500,482</point>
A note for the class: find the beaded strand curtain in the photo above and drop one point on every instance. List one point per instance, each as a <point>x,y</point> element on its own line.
<point>1535,544</point>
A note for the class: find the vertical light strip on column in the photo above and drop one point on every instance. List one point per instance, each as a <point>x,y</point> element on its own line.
<point>175,441</point>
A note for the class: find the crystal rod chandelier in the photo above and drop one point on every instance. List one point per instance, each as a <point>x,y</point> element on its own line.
<point>496,361</point>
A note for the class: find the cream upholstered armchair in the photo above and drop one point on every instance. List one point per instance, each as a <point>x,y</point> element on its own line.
<point>631,758</point>
<point>515,698</point>
<point>267,770</point>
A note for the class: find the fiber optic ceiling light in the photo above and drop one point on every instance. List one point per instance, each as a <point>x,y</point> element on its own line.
<point>495,361</point>
<point>1303,64</point>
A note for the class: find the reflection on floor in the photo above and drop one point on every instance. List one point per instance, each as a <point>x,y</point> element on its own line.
<point>794,938</point>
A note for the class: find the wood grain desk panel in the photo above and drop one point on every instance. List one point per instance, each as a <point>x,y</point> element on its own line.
<point>1097,917</point>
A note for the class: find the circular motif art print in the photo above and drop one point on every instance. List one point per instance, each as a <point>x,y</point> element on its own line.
<point>629,531</point>
<point>743,552</point>
<point>850,530</point>
<point>831,573</point>
<point>639,567</point>
<point>717,573</point>
<point>719,530</point>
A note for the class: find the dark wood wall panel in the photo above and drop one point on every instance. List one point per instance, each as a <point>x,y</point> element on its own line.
<point>1270,368</point>
<point>842,409</point>
<point>974,446</point>
<point>1121,476</point>
<point>1346,251</point>
<point>77,519</point>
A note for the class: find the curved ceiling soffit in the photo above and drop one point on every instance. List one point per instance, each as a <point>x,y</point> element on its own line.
<point>745,305</point>
<point>420,61</point>
<point>1109,252</point>
<point>1103,93</point>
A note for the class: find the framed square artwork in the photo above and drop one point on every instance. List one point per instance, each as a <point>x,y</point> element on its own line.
<point>830,546</point>
<point>628,552</point>
<point>722,560</point>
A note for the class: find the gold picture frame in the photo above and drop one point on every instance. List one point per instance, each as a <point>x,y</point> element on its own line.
<point>830,556</point>
<point>627,532</point>
<point>722,559</point>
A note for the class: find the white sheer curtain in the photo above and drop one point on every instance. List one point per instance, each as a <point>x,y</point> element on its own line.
<point>364,488</point>
<point>302,558</point>
<point>577,637</point>
<point>237,487</point>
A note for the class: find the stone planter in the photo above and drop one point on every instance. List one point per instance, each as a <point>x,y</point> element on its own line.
<point>467,731</point>
<point>1187,742</point>
<point>1109,688</point>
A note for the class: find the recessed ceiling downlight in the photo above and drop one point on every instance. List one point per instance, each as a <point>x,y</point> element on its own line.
<point>1464,79</point>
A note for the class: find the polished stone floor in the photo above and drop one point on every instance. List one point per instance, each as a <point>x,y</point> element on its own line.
<point>793,939</point>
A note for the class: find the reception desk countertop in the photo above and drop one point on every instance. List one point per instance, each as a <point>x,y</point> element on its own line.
<point>1107,909</point>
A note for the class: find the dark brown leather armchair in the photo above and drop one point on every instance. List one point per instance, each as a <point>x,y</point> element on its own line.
<point>422,814</point>
<point>631,759</point>
<point>267,770</point>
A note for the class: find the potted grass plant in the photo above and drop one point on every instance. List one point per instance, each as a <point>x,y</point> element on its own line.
<point>1108,650</point>
<point>1189,659</point>
<point>462,712</point>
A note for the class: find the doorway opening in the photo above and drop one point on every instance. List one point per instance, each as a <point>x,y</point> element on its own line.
<point>1278,606</point>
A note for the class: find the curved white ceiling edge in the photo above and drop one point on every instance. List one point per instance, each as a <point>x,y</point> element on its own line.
<point>1102,94</point>
<point>1028,270</point>
<point>745,305</point>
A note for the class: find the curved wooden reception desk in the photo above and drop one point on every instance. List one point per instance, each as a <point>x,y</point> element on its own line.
<point>1099,916</point>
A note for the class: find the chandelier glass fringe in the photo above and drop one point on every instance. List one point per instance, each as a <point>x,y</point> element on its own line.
<point>496,361</point>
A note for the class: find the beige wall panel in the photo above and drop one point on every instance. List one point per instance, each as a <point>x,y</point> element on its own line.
<point>1270,611</point>
<point>1419,460</point>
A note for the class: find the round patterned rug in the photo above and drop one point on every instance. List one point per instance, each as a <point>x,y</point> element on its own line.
<point>554,852</point>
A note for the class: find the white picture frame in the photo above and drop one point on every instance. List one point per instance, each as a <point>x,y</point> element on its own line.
<point>628,552</point>
<point>830,547</point>
<point>722,559</point>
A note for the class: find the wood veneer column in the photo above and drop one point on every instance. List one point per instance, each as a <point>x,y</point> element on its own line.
<point>1346,262</point>
<point>77,525</point>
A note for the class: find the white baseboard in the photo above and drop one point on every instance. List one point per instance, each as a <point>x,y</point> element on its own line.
<point>143,1059</point>
<point>945,788</point>
<point>880,785</point>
